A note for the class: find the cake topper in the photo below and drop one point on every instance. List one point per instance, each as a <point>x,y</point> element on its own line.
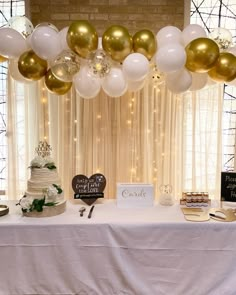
<point>43,149</point>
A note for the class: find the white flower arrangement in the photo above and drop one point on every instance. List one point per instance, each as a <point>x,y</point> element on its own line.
<point>42,162</point>
<point>28,204</point>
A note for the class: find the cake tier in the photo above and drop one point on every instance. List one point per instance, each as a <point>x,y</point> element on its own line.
<point>41,179</point>
<point>48,211</point>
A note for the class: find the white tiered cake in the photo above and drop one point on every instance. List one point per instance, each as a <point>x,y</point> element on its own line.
<point>43,196</point>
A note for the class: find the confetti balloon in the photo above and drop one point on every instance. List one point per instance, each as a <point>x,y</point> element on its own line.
<point>222,37</point>
<point>65,65</point>
<point>99,63</point>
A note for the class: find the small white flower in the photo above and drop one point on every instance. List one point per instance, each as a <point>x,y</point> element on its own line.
<point>52,193</point>
<point>37,162</point>
<point>25,202</point>
<point>48,160</point>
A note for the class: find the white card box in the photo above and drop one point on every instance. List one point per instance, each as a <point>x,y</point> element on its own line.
<point>134,195</point>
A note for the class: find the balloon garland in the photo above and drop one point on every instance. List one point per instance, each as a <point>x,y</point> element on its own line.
<point>117,61</point>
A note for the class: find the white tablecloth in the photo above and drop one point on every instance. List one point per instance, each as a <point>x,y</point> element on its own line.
<point>151,251</point>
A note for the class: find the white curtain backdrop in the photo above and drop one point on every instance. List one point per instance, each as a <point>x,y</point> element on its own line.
<point>150,136</point>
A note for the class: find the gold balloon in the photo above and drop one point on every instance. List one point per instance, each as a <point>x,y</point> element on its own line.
<point>82,38</point>
<point>202,54</point>
<point>55,85</point>
<point>145,43</point>
<point>224,69</point>
<point>2,58</point>
<point>117,42</point>
<point>32,66</point>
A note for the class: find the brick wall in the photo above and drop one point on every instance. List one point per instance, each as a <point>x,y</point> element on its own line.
<point>133,14</point>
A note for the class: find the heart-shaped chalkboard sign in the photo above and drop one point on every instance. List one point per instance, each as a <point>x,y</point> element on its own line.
<point>89,189</point>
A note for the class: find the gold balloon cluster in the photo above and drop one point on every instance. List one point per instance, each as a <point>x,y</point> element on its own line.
<point>203,55</point>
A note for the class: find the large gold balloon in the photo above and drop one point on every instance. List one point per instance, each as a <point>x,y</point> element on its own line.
<point>82,38</point>
<point>31,66</point>
<point>224,69</point>
<point>117,42</point>
<point>144,42</point>
<point>55,85</point>
<point>202,54</point>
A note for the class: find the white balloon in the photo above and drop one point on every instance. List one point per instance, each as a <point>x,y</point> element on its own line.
<point>171,58</point>
<point>48,25</point>
<point>15,73</point>
<point>135,67</point>
<point>192,32</point>
<point>45,42</point>
<point>62,36</point>
<point>12,43</point>
<point>85,84</point>
<point>169,34</point>
<point>115,84</point>
<point>199,81</point>
<point>136,85</point>
<point>179,81</point>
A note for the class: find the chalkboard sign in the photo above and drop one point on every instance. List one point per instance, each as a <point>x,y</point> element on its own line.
<point>228,186</point>
<point>89,189</point>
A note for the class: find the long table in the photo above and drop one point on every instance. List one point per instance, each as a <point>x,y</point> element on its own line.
<point>151,251</point>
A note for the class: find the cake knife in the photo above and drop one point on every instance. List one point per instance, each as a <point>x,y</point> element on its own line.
<point>90,212</point>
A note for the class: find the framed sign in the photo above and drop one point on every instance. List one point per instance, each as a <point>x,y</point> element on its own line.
<point>228,186</point>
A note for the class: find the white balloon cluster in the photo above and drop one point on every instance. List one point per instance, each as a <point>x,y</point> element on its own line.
<point>99,71</point>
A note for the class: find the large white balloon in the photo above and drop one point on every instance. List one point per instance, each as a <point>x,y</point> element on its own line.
<point>169,34</point>
<point>45,42</point>
<point>179,81</point>
<point>115,84</point>
<point>12,43</point>
<point>62,36</point>
<point>170,58</point>
<point>199,81</point>
<point>135,67</point>
<point>136,85</point>
<point>192,32</point>
<point>85,84</point>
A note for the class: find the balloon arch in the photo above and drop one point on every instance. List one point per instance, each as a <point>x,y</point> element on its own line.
<point>117,61</point>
